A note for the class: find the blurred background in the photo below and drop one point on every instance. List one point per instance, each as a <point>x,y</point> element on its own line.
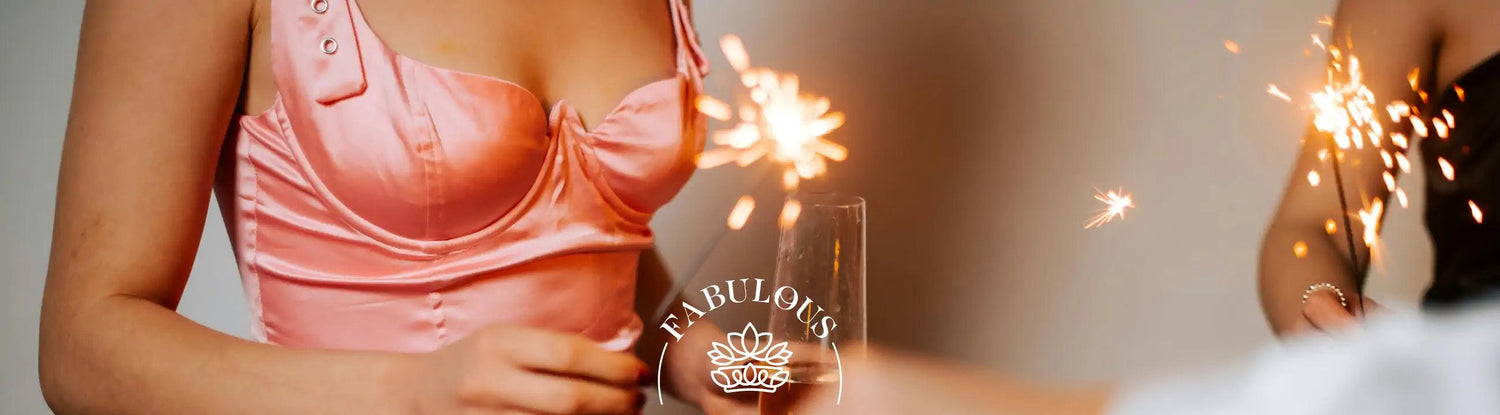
<point>978,132</point>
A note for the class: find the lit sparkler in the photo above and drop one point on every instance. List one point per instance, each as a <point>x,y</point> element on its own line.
<point>1115,203</point>
<point>1346,110</point>
<point>780,123</point>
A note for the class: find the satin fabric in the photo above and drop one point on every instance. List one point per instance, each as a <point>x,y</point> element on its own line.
<point>386,204</point>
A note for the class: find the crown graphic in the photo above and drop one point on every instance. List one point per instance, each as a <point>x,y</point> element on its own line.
<point>750,362</point>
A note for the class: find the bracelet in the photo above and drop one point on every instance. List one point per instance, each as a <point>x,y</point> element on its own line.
<point>1324,286</point>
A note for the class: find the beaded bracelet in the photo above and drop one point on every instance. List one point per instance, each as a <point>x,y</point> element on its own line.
<point>1324,286</point>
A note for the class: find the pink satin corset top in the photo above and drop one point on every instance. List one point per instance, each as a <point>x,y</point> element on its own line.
<point>385,204</point>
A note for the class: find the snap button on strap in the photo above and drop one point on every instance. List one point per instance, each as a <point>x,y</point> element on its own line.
<point>329,45</point>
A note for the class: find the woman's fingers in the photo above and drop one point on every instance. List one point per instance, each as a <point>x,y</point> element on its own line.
<point>571,355</point>
<point>1324,312</point>
<point>1369,307</point>
<point>544,393</point>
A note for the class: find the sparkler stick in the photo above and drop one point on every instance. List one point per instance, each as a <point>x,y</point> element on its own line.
<point>1359,275</point>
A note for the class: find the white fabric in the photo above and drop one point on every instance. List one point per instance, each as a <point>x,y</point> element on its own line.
<point>1398,365</point>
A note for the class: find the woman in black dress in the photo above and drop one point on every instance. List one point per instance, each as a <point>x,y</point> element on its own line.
<point>1307,281</point>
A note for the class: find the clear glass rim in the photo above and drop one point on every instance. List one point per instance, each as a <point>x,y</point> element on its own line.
<point>828,199</point>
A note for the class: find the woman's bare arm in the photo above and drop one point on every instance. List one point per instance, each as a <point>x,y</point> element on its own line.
<point>1390,38</point>
<point>155,88</point>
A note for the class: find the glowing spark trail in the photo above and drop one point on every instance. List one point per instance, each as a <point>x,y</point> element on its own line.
<point>1474,209</point>
<point>779,123</point>
<point>1115,203</point>
<point>1276,92</point>
<point>741,212</point>
<point>1231,46</point>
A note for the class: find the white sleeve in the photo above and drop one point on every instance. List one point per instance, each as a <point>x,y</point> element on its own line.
<point>1399,365</point>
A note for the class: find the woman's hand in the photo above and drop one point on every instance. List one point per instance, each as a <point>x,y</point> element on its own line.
<point>687,374</point>
<point>1322,313</point>
<point>509,369</point>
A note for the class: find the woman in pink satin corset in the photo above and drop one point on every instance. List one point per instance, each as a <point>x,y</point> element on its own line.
<point>436,207</point>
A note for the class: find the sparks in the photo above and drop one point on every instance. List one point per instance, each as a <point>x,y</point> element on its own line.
<point>789,213</point>
<point>1330,226</point>
<point>1313,178</point>
<point>1231,46</point>
<point>1460,92</point>
<point>1417,126</point>
<point>1390,181</point>
<point>1115,202</point>
<point>1478,214</point>
<point>1439,127</point>
<point>1446,167</point>
<point>1276,92</point>
<point>1401,197</point>
<point>1403,162</point>
<point>1326,21</point>
<point>741,212</point>
<point>1299,249</point>
<point>1448,118</point>
<point>1411,77</point>
<point>1370,218</point>
<point>780,123</point>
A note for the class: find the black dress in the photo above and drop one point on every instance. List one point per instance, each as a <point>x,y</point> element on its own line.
<point>1466,251</point>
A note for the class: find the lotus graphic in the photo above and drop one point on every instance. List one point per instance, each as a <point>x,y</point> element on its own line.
<point>750,361</point>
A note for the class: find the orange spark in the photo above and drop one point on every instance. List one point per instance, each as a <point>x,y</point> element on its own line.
<point>1115,203</point>
<point>713,107</point>
<point>1326,21</point>
<point>1398,110</point>
<point>1440,128</point>
<point>1399,140</point>
<point>741,212</point>
<point>1276,92</point>
<point>1370,218</point>
<point>1330,227</point>
<point>1299,249</point>
<point>780,123</point>
<point>1474,209</point>
<point>1417,126</point>
<point>1403,162</point>
<point>1390,180</point>
<point>1313,178</point>
<point>734,52</point>
<point>1448,118</point>
<point>1411,77</point>
<point>1460,91</point>
<point>789,213</point>
<point>1232,46</point>
<point>1401,197</point>
<point>1446,167</point>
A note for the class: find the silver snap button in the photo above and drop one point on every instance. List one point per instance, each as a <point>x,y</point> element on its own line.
<point>319,6</point>
<point>329,45</point>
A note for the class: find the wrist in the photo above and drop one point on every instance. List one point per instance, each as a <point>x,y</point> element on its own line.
<point>393,383</point>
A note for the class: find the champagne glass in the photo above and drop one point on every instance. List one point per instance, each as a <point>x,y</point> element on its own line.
<point>821,256</point>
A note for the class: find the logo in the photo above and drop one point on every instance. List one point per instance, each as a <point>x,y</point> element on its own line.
<point>750,362</point>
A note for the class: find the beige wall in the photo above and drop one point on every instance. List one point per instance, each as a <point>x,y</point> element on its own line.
<point>977,132</point>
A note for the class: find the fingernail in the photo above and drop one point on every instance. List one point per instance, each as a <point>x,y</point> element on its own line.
<point>645,377</point>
